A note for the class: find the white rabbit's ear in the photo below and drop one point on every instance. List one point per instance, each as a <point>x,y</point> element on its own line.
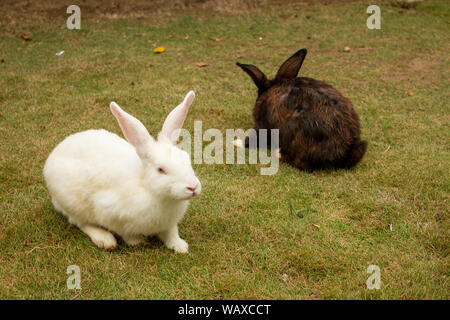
<point>133,130</point>
<point>174,122</point>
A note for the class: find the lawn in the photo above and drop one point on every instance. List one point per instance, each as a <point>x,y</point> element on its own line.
<point>391,210</point>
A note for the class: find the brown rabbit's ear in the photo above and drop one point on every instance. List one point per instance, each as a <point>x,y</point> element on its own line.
<point>257,76</point>
<point>290,68</point>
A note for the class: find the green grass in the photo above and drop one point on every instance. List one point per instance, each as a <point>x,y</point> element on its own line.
<point>244,243</point>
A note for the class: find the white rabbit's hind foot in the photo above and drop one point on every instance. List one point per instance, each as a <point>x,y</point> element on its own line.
<point>134,240</point>
<point>102,238</point>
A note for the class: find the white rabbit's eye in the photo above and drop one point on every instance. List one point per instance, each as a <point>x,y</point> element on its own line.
<point>161,170</point>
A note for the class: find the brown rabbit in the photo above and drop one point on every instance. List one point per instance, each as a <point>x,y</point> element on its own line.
<point>318,127</point>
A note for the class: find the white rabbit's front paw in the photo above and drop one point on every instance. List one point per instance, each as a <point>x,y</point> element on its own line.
<point>179,246</point>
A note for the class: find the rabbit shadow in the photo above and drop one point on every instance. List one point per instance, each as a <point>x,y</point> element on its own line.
<point>151,242</point>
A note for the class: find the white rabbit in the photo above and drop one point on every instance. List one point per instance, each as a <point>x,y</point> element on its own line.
<point>142,187</point>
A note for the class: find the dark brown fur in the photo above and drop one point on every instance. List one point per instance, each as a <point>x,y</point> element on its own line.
<point>318,126</point>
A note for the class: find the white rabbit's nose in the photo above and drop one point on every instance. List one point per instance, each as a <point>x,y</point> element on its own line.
<point>193,189</point>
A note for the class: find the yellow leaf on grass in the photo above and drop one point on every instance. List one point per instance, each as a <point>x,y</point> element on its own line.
<point>25,37</point>
<point>200,64</point>
<point>159,50</point>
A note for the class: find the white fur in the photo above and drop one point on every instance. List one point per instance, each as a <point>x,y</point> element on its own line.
<point>102,182</point>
